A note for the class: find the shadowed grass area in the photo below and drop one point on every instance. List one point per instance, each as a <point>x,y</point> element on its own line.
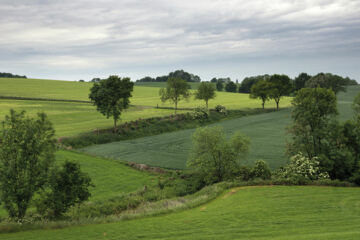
<point>278,212</point>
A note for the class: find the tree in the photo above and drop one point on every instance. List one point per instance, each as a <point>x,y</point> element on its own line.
<point>260,90</point>
<point>314,109</point>
<point>248,82</point>
<point>111,96</point>
<point>67,186</point>
<point>301,80</point>
<point>280,86</point>
<point>26,154</point>
<point>261,170</point>
<point>356,107</point>
<point>176,90</point>
<point>205,92</point>
<point>219,86</point>
<point>328,80</point>
<point>230,87</point>
<point>215,157</point>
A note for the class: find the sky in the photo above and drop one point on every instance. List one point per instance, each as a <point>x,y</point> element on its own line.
<point>83,39</point>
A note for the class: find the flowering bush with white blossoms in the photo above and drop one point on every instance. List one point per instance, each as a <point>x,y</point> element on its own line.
<point>301,165</point>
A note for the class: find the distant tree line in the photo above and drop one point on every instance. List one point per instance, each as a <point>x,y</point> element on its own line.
<point>10,75</point>
<point>188,77</point>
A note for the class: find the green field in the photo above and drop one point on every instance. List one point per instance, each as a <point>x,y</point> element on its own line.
<point>266,131</point>
<point>71,118</point>
<point>278,212</point>
<point>110,178</point>
<point>144,96</point>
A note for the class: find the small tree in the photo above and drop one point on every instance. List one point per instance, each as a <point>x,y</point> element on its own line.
<point>260,90</point>
<point>219,86</point>
<point>280,85</point>
<point>261,170</point>
<point>215,157</point>
<point>111,96</point>
<point>68,186</point>
<point>176,90</point>
<point>205,92</point>
<point>230,87</point>
<point>26,154</point>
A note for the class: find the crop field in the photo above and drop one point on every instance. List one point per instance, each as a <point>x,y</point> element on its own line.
<point>144,96</point>
<point>266,131</point>
<point>70,118</point>
<point>277,212</point>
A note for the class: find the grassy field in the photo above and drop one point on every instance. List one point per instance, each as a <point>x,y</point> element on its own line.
<point>110,178</point>
<point>266,131</point>
<point>277,212</point>
<point>73,118</point>
<point>145,96</point>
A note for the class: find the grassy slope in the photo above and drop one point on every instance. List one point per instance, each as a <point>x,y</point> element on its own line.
<point>73,118</point>
<point>110,178</point>
<point>146,96</point>
<point>170,150</point>
<point>244,213</point>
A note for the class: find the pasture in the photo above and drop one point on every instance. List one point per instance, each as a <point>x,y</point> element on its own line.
<point>143,96</point>
<point>71,118</point>
<point>170,150</point>
<point>268,212</point>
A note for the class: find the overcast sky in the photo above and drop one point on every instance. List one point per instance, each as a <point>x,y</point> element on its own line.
<point>82,39</point>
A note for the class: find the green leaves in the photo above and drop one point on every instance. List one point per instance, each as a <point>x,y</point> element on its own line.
<point>176,90</point>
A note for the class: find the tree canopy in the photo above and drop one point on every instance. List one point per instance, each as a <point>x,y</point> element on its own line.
<point>230,87</point>
<point>280,85</point>
<point>188,77</point>
<point>328,80</point>
<point>111,96</point>
<point>261,90</point>
<point>248,82</point>
<point>205,91</point>
<point>176,90</point>
<point>301,80</point>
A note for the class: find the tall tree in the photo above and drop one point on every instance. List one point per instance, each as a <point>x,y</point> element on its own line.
<point>205,91</point>
<point>328,80</point>
<point>230,87</point>
<point>261,90</point>
<point>219,86</point>
<point>301,80</point>
<point>111,96</point>
<point>248,82</point>
<point>26,154</point>
<point>280,86</point>
<point>176,90</point>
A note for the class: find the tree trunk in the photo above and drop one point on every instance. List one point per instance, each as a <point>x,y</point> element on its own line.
<point>115,129</point>
<point>277,105</point>
<point>263,104</point>
<point>206,104</point>
<point>175,107</point>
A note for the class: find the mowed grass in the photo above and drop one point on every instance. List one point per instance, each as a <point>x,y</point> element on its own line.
<point>144,96</point>
<point>171,150</point>
<point>110,178</point>
<point>71,118</point>
<point>278,212</point>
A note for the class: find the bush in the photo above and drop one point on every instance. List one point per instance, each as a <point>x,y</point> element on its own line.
<point>261,170</point>
<point>200,113</point>
<point>68,186</point>
<point>220,109</point>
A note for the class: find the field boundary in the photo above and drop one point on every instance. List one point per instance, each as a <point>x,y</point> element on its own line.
<point>42,99</point>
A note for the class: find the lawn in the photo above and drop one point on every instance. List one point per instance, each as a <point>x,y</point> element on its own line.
<point>266,131</point>
<point>71,118</point>
<point>269,212</point>
<point>144,96</point>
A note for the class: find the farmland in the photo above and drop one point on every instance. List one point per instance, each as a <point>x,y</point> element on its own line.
<point>171,150</point>
<point>143,96</point>
<point>278,212</point>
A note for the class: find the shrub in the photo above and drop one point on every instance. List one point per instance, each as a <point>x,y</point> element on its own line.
<point>220,109</point>
<point>261,170</point>
<point>200,113</point>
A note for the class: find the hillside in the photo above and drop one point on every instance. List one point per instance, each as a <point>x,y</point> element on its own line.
<point>278,212</point>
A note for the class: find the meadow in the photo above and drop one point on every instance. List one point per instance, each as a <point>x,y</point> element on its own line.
<point>143,96</point>
<point>170,150</point>
<point>267,212</point>
<point>71,118</point>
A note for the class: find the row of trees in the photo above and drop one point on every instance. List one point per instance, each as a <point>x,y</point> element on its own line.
<point>27,168</point>
<point>188,77</point>
<point>10,75</point>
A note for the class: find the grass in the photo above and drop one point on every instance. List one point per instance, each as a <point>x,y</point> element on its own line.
<point>70,119</point>
<point>144,96</point>
<point>277,212</point>
<point>266,131</point>
<point>110,178</point>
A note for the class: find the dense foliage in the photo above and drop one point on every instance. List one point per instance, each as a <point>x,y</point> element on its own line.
<point>261,90</point>
<point>111,96</point>
<point>188,77</point>
<point>26,155</point>
<point>10,75</point>
<point>176,90</point>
